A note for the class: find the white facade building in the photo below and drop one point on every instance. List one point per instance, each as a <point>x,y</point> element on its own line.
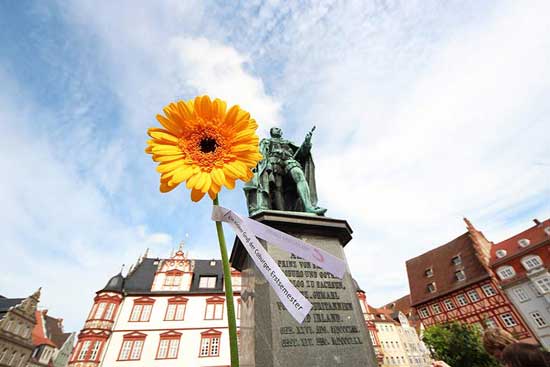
<point>522,264</point>
<point>165,312</point>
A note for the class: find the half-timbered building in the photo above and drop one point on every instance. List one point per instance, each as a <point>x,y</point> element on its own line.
<point>454,282</point>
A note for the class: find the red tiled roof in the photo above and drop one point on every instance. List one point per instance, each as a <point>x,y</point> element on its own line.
<point>38,337</point>
<point>402,304</point>
<point>535,235</point>
<point>439,260</point>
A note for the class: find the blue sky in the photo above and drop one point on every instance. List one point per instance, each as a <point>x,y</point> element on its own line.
<point>426,111</point>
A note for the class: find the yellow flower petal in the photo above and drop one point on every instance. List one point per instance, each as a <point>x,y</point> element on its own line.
<point>229,183</point>
<point>218,109</point>
<point>231,116</point>
<point>207,182</point>
<point>181,174</point>
<point>163,135</point>
<point>196,195</point>
<point>206,107</point>
<point>167,158</point>
<point>191,182</point>
<point>169,166</point>
<point>169,124</point>
<point>217,176</point>
<point>185,111</point>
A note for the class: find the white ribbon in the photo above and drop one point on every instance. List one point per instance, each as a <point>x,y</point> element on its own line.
<point>247,230</point>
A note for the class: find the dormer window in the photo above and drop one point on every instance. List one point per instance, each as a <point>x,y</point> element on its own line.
<point>501,253</point>
<point>547,231</point>
<point>431,287</point>
<point>460,275</point>
<point>207,282</point>
<point>456,260</point>
<point>531,262</point>
<point>429,272</point>
<point>212,262</point>
<point>506,272</point>
<point>173,278</point>
<point>523,242</point>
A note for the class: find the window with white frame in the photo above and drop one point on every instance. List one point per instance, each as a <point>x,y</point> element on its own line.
<point>543,284</point>
<point>460,275</point>
<point>474,297</point>
<point>173,278</point>
<point>431,287</point>
<point>84,350</point>
<point>210,344</point>
<point>100,310</point>
<point>95,350</point>
<point>488,290</point>
<point>449,305</point>
<point>456,260</point>
<point>506,272</point>
<point>429,272</point>
<point>520,294</point>
<point>132,346</point>
<point>508,320</point>
<point>207,282</point>
<point>424,312</point>
<point>169,345</point>
<point>531,262</point>
<point>214,309</point>
<point>175,311</point>
<point>141,310</point>
<point>436,309</point>
<point>109,312</point>
<point>461,299</point>
<point>539,320</point>
<point>500,253</point>
<point>523,242</point>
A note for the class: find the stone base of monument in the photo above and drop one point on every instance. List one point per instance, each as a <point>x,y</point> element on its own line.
<point>333,333</point>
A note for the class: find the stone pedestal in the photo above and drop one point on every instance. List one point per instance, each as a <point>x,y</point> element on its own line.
<point>334,332</point>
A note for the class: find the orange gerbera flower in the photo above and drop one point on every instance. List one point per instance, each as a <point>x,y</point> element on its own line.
<point>205,145</point>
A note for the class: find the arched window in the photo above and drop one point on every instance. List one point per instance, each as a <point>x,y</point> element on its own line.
<point>506,272</point>
<point>531,262</point>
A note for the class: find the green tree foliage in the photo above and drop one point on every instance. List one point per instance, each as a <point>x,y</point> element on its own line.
<point>459,345</point>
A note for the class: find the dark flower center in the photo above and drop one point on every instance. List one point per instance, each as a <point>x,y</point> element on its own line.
<point>208,145</point>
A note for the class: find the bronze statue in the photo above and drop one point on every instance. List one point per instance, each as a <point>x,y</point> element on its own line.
<point>285,178</point>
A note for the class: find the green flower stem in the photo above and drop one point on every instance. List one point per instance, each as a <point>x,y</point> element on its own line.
<point>228,295</point>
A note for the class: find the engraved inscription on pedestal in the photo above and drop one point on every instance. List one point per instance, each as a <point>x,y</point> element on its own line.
<point>328,321</point>
<point>333,333</point>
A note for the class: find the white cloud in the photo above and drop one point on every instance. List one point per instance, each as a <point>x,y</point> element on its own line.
<point>58,229</point>
<point>462,140</point>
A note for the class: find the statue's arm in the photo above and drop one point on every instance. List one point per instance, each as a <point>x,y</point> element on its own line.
<point>304,149</point>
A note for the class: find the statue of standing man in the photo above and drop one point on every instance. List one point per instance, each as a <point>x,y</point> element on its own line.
<point>284,178</point>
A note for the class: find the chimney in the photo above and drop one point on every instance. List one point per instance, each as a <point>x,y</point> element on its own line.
<point>537,222</point>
